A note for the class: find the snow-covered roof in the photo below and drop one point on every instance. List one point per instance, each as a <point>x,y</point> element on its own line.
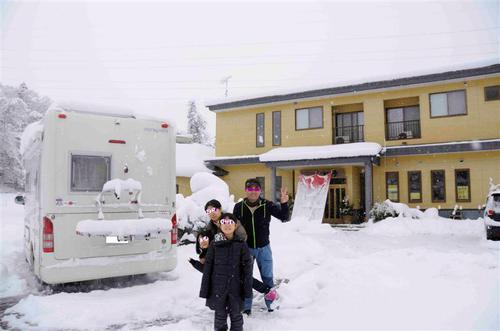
<point>446,73</point>
<point>446,143</point>
<point>30,134</point>
<point>321,152</point>
<point>189,159</point>
<point>235,157</point>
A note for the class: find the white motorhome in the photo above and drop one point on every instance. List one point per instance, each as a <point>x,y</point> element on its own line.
<point>100,194</point>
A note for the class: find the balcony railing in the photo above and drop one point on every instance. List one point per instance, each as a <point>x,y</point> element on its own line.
<point>403,130</point>
<point>349,134</point>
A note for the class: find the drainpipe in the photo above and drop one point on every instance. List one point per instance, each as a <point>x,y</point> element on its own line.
<point>368,188</point>
<point>273,184</point>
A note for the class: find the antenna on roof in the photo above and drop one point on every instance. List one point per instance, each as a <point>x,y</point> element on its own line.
<point>225,80</point>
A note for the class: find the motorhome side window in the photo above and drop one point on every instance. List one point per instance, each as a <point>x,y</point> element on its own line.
<point>89,172</point>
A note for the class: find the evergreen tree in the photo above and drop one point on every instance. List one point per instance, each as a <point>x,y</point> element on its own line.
<point>18,107</point>
<point>197,126</point>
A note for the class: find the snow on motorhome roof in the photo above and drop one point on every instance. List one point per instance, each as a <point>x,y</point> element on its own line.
<point>321,152</point>
<point>111,110</point>
<point>491,66</point>
<point>86,107</point>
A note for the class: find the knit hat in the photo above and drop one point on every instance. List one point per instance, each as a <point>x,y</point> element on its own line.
<point>252,182</point>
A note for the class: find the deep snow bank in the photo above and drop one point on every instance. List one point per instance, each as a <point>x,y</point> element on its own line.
<point>404,226</point>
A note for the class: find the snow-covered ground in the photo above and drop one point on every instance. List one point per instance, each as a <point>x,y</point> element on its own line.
<point>395,274</point>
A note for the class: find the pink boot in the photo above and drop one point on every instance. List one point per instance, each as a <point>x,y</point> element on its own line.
<point>271,295</point>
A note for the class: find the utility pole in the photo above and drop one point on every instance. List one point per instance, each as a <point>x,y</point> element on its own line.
<point>225,80</point>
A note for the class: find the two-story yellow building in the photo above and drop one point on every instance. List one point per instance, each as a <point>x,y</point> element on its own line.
<point>429,141</point>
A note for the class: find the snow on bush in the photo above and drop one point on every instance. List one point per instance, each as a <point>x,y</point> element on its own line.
<point>388,208</point>
<point>381,211</point>
<point>190,211</point>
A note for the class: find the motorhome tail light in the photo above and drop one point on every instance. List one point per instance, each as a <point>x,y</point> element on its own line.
<point>115,141</point>
<point>173,232</point>
<point>164,125</point>
<point>490,212</point>
<point>48,235</point>
<point>61,116</point>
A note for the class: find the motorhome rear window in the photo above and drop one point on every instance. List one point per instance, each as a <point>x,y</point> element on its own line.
<point>89,172</point>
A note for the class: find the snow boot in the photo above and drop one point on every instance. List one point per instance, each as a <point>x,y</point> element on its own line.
<point>271,295</point>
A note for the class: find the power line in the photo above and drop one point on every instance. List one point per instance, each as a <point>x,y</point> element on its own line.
<point>211,45</point>
<point>289,55</point>
<point>145,88</point>
<point>225,64</point>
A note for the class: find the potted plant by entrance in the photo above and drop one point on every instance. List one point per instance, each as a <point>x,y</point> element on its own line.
<point>346,211</point>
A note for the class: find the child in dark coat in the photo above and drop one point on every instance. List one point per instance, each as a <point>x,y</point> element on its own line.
<point>227,275</point>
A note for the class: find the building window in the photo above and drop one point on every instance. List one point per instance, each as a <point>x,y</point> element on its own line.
<point>349,127</point>
<point>260,130</point>
<point>414,186</point>
<point>392,186</point>
<point>462,185</point>
<point>448,104</point>
<point>402,123</point>
<point>492,93</point>
<point>89,173</point>
<point>262,181</point>
<point>309,118</point>
<point>276,128</point>
<point>438,187</point>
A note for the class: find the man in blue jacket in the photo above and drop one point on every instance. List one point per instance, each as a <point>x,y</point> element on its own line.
<point>255,214</point>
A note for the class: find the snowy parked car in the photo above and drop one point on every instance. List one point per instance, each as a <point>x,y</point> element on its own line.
<point>492,215</point>
<point>100,194</point>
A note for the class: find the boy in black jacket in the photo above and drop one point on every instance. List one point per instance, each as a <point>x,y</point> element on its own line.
<point>227,275</point>
<point>255,214</point>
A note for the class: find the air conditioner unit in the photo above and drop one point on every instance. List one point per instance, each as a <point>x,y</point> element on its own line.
<point>342,139</point>
<point>405,135</point>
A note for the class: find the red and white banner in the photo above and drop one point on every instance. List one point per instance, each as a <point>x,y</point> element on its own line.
<point>311,196</point>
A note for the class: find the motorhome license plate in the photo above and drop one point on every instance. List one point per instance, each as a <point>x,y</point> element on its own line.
<point>116,240</point>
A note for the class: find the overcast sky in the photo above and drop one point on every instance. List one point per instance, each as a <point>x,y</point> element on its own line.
<point>155,56</point>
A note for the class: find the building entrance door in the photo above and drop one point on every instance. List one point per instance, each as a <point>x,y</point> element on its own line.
<point>336,194</point>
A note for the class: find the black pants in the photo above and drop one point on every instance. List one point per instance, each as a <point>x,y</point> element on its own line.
<point>256,284</point>
<point>229,306</point>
